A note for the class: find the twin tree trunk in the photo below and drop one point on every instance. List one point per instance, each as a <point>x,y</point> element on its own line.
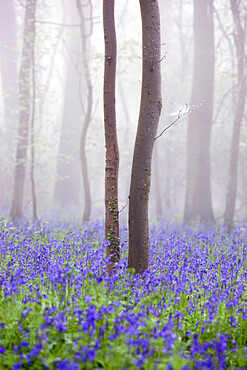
<point>239,39</point>
<point>25,108</point>
<point>150,110</point>
<point>112,153</point>
<point>198,201</point>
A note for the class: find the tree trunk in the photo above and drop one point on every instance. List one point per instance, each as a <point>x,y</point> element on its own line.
<point>88,111</point>
<point>9,80</point>
<point>32,136</point>
<point>239,39</point>
<point>24,113</point>
<point>66,190</point>
<point>112,153</point>
<point>8,62</point>
<point>150,110</point>
<point>198,201</point>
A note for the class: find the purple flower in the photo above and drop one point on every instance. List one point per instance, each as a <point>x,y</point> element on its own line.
<point>2,350</point>
<point>169,367</point>
<point>139,361</point>
<point>67,365</point>
<point>90,355</point>
<point>17,366</point>
<point>233,321</point>
<point>35,351</point>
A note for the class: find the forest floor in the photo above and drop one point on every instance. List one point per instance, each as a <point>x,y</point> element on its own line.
<point>60,310</point>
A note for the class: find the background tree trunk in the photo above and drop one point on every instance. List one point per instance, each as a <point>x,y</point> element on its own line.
<point>198,201</point>
<point>112,153</point>
<point>24,114</point>
<point>89,105</point>
<point>9,79</point>
<point>150,110</point>
<point>66,190</point>
<point>239,39</point>
<point>8,62</point>
<point>32,134</point>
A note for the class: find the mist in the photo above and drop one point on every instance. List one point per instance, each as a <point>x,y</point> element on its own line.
<point>199,164</point>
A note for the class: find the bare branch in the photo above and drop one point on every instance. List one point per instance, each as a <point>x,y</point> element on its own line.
<point>66,25</point>
<point>188,109</point>
<point>123,207</point>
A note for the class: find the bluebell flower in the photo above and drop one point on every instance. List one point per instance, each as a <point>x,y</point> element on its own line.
<point>17,366</point>
<point>233,321</point>
<point>66,365</point>
<point>35,350</point>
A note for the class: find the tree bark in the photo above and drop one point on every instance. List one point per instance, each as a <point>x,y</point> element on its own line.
<point>150,110</point>
<point>24,113</point>
<point>88,112</point>
<point>111,143</point>
<point>239,40</point>
<point>198,200</point>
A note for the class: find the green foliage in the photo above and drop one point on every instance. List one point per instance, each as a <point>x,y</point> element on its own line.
<point>55,293</point>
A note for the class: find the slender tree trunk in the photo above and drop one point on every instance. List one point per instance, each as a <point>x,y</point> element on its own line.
<point>8,63</point>
<point>112,153</point>
<point>182,42</point>
<point>9,80</point>
<point>66,189</point>
<point>198,201</point>
<point>239,39</point>
<point>88,112</point>
<point>24,114</point>
<point>150,110</point>
<point>32,136</point>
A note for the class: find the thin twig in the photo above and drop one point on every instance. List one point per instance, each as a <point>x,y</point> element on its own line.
<point>171,124</point>
<point>123,207</point>
<point>64,24</point>
<point>181,113</point>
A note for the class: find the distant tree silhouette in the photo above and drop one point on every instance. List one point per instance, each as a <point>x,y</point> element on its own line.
<point>25,109</point>
<point>198,200</point>
<point>240,45</point>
